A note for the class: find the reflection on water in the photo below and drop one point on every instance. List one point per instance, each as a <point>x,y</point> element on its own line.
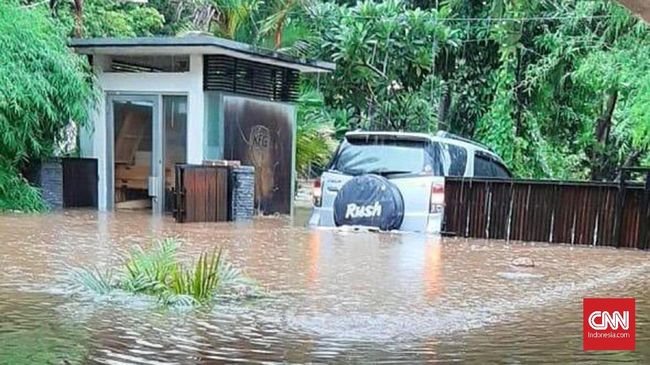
<point>335,296</point>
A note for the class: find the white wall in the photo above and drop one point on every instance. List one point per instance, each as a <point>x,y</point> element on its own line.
<point>93,139</point>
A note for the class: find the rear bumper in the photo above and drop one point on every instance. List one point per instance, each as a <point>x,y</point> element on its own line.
<point>415,222</point>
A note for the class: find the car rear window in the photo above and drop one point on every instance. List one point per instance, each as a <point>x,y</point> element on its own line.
<point>381,156</point>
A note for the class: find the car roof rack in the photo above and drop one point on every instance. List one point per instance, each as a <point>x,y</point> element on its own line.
<point>445,134</point>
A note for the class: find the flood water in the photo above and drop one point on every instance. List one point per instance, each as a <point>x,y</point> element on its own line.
<point>333,296</point>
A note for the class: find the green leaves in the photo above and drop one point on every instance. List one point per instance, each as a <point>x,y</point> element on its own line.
<point>377,46</point>
<point>544,107</point>
<point>199,282</point>
<point>147,270</point>
<point>314,142</point>
<point>95,280</point>
<point>112,18</point>
<point>43,86</point>
<point>15,193</point>
<point>157,272</point>
<point>528,77</point>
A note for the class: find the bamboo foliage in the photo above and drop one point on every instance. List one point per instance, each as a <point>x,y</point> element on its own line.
<point>43,86</point>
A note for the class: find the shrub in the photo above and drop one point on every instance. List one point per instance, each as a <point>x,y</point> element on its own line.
<point>157,272</point>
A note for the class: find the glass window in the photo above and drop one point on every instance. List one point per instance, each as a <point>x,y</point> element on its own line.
<point>381,157</point>
<point>213,127</point>
<point>500,171</point>
<point>175,119</point>
<point>482,167</point>
<point>457,159</point>
<point>175,147</point>
<point>487,167</point>
<point>171,63</point>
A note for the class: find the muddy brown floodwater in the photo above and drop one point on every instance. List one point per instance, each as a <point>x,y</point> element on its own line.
<point>335,296</point>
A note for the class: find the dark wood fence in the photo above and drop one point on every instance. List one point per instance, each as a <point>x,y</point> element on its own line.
<point>201,193</point>
<point>80,178</point>
<point>602,214</point>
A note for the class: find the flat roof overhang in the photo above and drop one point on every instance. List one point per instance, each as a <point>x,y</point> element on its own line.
<point>638,7</point>
<point>206,45</point>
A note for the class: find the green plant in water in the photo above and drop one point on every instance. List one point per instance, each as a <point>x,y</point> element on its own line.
<point>148,270</point>
<point>200,281</point>
<point>100,282</point>
<point>157,272</point>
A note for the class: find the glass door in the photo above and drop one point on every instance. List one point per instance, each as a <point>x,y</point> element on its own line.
<point>134,150</point>
<point>175,140</point>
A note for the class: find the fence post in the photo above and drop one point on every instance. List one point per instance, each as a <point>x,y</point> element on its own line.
<point>644,215</point>
<point>620,204</point>
<point>179,194</point>
<point>445,211</point>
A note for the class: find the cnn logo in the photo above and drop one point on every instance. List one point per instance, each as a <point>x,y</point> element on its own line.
<point>608,324</point>
<point>600,320</point>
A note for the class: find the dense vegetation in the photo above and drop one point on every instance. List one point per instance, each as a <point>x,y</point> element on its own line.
<point>559,88</point>
<point>43,86</point>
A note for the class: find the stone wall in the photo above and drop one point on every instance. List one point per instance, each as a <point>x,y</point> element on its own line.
<point>48,177</point>
<point>242,182</point>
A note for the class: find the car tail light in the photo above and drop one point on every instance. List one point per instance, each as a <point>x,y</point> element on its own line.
<point>437,199</point>
<point>317,193</point>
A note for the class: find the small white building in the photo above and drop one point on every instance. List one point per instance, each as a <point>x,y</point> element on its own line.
<point>170,100</point>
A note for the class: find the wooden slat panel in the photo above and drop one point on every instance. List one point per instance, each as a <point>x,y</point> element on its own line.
<point>221,194</point>
<point>630,224</point>
<point>518,206</point>
<point>205,197</point>
<point>250,78</point>
<point>547,211</point>
<point>463,208</point>
<point>478,216</point>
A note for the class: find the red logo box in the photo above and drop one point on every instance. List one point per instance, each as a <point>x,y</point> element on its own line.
<point>608,324</point>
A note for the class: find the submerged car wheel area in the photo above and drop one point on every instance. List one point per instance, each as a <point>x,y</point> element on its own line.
<point>395,181</point>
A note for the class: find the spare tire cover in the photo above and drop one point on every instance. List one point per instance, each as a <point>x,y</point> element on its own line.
<point>369,200</point>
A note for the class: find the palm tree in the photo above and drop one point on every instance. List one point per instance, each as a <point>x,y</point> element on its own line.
<point>232,18</point>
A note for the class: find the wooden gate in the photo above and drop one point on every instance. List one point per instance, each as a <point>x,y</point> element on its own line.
<point>80,177</point>
<point>260,134</point>
<point>201,193</point>
<point>589,213</point>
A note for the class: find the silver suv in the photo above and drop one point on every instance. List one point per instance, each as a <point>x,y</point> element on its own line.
<point>395,181</point>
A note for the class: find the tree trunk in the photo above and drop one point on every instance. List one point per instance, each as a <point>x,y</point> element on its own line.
<point>278,33</point>
<point>519,97</point>
<point>279,26</point>
<point>603,127</point>
<point>78,18</point>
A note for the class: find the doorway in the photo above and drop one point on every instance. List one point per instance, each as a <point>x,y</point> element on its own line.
<point>146,137</point>
<point>134,152</point>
